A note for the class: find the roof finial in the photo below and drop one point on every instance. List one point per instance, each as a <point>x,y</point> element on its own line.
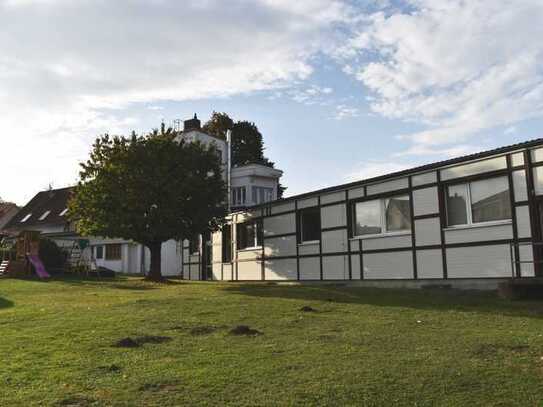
<point>195,116</point>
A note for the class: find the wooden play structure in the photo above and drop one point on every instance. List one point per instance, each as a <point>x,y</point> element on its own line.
<point>25,258</point>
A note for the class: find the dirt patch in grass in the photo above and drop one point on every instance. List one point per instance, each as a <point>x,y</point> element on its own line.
<point>75,401</point>
<point>109,369</point>
<point>244,330</point>
<point>490,350</point>
<point>154,387</point>
<point>152,339</point>
<point>126,343</point>
<point>129,342</point>
<point>203,330</point>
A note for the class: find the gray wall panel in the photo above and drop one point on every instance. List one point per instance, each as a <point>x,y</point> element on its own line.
<point>427,231</point>
<point>476,234</point>
<point>479,261</point>
<point>429,264</point>
<point>310,268</point>
<point>333,216</point>
<point>335,268</point>
<point>425,201</point>
<point>280,224</point>
<point>396,265</point>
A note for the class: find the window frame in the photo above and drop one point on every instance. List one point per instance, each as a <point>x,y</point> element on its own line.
<point>382,217</point>
<point>469,205</point>
<point>194,245</point>
<point>267,192</point>
<point>110,246</point>
<point>300,234</point>
<point>259,235</point>
<point>99,250</point>
<point>226,252</point>
<point>239,192</point>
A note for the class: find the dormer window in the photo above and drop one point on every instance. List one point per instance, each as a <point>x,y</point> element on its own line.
<point>64,212</point>
<point>26,218</point>
<point>45,215</point>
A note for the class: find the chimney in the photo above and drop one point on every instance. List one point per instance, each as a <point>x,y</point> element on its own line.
<point>192,124</point>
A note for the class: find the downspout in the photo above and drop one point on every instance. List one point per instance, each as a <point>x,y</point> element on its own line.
<point>229,166</point>
<point>229,197</point>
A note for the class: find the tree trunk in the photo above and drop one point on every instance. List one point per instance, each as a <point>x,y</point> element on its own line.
<point>155,273</point>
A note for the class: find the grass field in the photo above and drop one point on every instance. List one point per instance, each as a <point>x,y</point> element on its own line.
<point>358,346</point>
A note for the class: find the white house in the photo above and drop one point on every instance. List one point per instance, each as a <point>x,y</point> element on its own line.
<point>46,212</point>
<point>470,221</point>
<point>249,185</point>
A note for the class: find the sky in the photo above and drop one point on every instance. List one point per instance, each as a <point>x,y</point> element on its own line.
<point>341,89</point>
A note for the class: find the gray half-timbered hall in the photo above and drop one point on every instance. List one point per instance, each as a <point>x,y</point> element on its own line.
<point>473,217</point>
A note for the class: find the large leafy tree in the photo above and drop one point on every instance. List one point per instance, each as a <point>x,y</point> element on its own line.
<point>247,141</point>
<point>218,124</point>
<point>149,189</point>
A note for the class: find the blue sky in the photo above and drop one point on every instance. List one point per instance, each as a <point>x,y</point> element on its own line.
<point>341,90</point>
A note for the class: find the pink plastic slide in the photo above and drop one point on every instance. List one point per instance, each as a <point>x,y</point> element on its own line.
<point>39,267</point>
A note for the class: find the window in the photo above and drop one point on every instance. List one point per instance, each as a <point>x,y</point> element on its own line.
<point>194,245</point>
<point>397,214</point>
<point>113,252</point>
<point>26,218</point>
<point>517,159</point>
<point>227,243</point>
<point>478,202</point>
<point>520,186</point>
<point>99,252</point>
<point>477,167</point>
<point>45,215</point>
<point>538,180</point>
<point>457,205</point>
<point>249,235</point>
<point>310,225</point>
<point>262,194</point>
<point>368,218</point>
<point>379,216</point>
<point>64,212</point>
<point>238,196</point>
<point>490,200</point>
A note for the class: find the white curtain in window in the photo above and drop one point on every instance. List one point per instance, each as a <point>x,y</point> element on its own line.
<point>398,213</point>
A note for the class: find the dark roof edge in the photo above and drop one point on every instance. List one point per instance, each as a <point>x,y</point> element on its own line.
<point>409,171</point>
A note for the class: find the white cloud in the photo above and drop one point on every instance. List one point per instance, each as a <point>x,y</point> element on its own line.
<point>68,68</point>
<point>510,130</point>
<point>345,112</point>
<point>443,152</point>
<point>375,168</point>
<point>310,95</point>
<point>457,67</point>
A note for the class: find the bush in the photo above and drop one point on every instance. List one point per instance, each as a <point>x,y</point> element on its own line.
<point>51,255</point>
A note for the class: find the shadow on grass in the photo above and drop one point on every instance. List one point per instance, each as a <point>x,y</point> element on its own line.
<point>118,283</point>
<point>5,303</point>
<point>424,299</point>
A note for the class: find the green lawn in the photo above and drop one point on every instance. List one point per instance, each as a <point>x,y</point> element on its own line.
<point>359,347</point>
